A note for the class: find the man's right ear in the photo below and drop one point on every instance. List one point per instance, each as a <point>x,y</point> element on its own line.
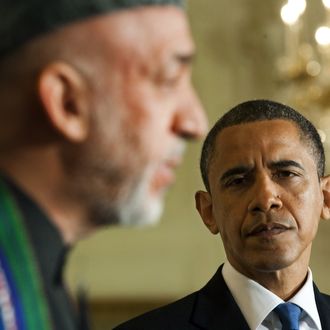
<point>325,214</point>
<point>204,206</point>
<point>62,92</point>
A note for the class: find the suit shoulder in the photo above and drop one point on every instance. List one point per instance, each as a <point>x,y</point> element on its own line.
<point>325,297</point>
<point>175,315</point>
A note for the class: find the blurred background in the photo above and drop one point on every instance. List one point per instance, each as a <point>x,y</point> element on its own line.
<point>246,49</point>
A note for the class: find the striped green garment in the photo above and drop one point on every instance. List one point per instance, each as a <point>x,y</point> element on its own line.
<point>22,300</point>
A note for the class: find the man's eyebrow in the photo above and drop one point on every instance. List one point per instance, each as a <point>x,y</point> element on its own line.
<point>245,169</point>
<point>285,163</point>
<point>234,171</point>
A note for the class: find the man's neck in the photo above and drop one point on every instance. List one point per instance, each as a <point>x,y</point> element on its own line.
<point>39,174</point>
<point>285,282</point>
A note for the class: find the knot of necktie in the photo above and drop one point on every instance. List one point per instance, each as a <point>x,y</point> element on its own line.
<point>289,315</point>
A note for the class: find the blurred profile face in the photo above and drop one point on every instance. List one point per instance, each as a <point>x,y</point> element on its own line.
<point>266,197</point>
<point>142,107</point>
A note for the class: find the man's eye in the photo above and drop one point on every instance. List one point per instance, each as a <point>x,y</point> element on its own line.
<point>285,174</point>
<point>236,181</point>
<point>172,76</point>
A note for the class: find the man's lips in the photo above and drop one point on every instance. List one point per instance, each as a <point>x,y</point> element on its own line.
<point>268,230</point>
<point>164,175</point>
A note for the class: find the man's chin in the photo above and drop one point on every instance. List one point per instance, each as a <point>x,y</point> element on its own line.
<point>146,214</point>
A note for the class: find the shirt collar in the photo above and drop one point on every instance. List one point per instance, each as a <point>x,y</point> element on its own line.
<point>305,298</point>
<point>256,302</point>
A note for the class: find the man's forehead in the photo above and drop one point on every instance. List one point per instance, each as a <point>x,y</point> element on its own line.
<point>256,129</point>
<point>159,33</point>
<point>268,137</point>
<point>153,22</point>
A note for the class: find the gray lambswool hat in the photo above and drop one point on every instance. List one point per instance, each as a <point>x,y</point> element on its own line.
<point>22,20</point>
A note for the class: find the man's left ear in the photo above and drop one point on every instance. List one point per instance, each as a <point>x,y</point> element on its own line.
<point>325,182</point>
<point>62,91</point>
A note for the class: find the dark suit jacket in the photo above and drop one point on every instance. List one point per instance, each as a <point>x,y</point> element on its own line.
<point>212,308</point>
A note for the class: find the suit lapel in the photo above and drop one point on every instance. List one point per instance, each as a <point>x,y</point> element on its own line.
<point>216,308</point>
<point>323,307</point>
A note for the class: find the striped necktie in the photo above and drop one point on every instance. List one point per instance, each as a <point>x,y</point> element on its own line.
<point>289,315</point>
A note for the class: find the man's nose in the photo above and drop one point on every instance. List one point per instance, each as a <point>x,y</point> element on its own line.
<point>190,121</point>
<point>265,195</point>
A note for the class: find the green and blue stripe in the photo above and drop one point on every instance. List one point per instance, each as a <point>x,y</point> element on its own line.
<point>20,268</point>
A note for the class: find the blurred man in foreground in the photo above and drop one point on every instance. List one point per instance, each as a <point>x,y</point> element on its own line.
<point>262,165</point>
<point>96,103</point>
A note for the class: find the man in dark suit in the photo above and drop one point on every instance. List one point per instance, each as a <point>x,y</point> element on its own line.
<point>263,168</point>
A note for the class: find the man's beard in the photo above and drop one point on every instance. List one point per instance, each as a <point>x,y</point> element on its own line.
<point>138,208</point>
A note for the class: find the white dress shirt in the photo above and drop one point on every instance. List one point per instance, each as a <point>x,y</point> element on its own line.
<point>257,303</point>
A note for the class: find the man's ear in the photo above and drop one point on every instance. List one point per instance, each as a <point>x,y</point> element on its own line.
<point>62,91</point>
<point>325,183</point>
<point>204,206</point>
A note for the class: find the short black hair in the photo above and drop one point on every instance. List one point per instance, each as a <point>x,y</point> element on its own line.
<point>259,110</point>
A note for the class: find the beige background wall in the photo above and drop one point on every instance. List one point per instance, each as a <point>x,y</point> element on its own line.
<point>238,43</point>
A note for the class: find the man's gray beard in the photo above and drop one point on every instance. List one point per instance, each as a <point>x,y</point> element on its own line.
<point>138,209</point>
<point>141,209</point>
